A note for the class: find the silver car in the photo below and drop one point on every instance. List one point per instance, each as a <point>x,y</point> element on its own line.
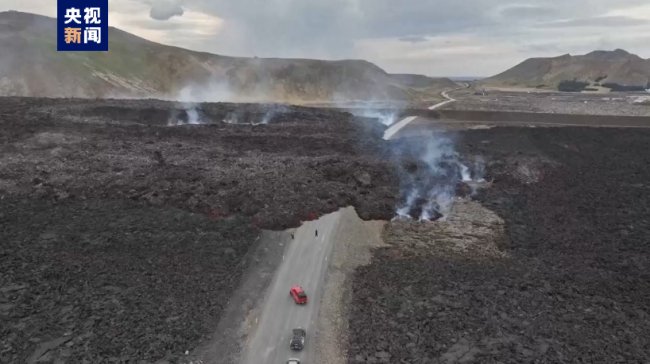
<point>293,361</point>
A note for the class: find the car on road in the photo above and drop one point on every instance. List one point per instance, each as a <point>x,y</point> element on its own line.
<point>298,339</point>
<point>293,361</point>
<point>298,295</point>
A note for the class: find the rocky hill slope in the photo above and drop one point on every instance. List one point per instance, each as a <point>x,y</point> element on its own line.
<point>603,67</point>
<point>135,67</point>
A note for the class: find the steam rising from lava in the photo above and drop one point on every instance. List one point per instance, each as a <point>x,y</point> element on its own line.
<point>431,176</point>
<point>190,106</point>
<point>241,116</point>
<point>387,118</point>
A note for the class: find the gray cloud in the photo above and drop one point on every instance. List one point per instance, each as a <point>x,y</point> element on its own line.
<point>547,48</point>
<point>603,21</point>
<point>530,12</point>
<point>435,37</point>
<point>332,26</point>
<point>163,10</point>
<point>413,39</point>
<point>337,29</point>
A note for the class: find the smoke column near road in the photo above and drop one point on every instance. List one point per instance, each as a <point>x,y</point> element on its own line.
<point>387,118</point>
<point>430,171</point>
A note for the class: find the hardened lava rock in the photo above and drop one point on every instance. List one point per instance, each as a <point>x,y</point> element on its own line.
<point>125,225</point>
<point>526,271</point>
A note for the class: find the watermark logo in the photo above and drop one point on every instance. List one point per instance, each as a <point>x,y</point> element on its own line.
<point>82,25</point>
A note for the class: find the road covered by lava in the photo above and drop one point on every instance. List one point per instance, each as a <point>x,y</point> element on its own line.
<point>125,226</point>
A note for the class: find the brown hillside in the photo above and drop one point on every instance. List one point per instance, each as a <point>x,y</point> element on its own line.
<point>616,66</point>
<point>135,67</point>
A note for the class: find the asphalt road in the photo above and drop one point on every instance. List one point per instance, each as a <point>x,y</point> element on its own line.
<point>304,264</point>
<point>446,96</point>
<point>395,128</point>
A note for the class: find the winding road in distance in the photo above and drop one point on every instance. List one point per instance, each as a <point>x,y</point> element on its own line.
<point>390,132</point>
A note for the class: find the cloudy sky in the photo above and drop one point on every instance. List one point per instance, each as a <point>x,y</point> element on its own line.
<point>432,37</point>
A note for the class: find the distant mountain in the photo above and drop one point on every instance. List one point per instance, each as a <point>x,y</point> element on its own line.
<point>599,67</point>
<point>134,67</point>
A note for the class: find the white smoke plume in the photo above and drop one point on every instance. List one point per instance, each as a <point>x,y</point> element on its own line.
<point>465,173</point>
<point>233,117</point>
<point>192,95</point>
<point>479,169</point>
<point>404,211</point>
<point>273,111</point>
<point>430,181</point>
<point>189,101</point>
<point>385,117</point>
<point>240,116</point>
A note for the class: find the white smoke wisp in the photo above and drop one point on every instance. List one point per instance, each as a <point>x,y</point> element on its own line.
<point>272,112</point>
<point>438,149</point>
<point>233,117</point>
<point>193,116</point>
<point>479,169</point>
<point>385,117</point>
<point>464,171</point>
<point>477,177</point>
<point>268,115</point>
<point>442,160</point>
<point>405,210</point>
<point>213,91</point>
<point>190,101</point>
<point>372,108</point>
<point>429,187</point>
<point>192,95</point>
<point>438,202</point>
<point>173,118</point>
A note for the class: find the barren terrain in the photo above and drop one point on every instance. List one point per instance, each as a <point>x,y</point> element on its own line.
<point>548,265</point>
<point>124,235</point>
<point>123,238</point>
<point>611,103</point>
<point>595,69</point>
